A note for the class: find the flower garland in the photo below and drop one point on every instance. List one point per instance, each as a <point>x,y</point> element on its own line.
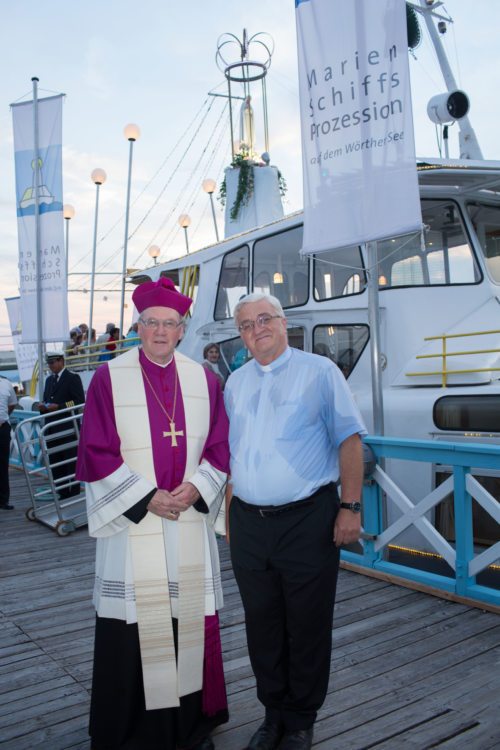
<point>245,189</point>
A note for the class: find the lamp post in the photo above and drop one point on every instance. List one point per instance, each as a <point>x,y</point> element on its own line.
<point>154,252</point>
<point>131,133</point>
<point>184,221</point>
<point>98,178</point>
<point>209,187</point>
<point>68,214</point>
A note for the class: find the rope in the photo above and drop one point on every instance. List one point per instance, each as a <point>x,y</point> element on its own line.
<point>160,168</point>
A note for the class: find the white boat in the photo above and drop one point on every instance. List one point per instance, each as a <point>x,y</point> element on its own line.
<point>439,309</point>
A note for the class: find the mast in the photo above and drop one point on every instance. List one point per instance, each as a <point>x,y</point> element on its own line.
<point>39,322</point>
<point>453,106</point>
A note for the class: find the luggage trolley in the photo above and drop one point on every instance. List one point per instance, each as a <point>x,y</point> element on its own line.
<point>48,440</point>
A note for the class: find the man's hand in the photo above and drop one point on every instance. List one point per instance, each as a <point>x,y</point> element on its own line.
<point>347,527</point>
<point>46,408</point>
<point>348,524</point>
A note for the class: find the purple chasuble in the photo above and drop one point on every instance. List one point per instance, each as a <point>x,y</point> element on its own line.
<point>99,450</point>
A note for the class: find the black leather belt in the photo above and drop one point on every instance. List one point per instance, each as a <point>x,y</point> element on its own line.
<point>274,510</point>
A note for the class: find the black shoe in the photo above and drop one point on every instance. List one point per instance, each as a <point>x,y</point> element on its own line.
<point>267,736</point>
<point>301,739</point>
<point>205,744</point>
<point>6,506</point>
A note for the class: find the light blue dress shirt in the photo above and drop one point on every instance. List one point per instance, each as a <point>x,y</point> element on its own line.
<point>286,423</point>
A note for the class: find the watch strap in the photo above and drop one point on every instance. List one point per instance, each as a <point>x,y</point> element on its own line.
<point>355,507</point>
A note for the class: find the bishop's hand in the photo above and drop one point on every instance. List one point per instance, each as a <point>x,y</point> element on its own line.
<point>163,504</point>
<point>185,495</point>
<point>170,504</point>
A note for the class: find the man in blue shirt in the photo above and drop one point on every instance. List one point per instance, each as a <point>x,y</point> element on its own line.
<point>294,431</point>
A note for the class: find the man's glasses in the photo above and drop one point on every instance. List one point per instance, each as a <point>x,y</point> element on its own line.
<point>261,321</point>
<point>154,323</point>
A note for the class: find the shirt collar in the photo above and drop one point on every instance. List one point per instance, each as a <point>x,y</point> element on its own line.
<point>281,360</point>
<point>143,354</point>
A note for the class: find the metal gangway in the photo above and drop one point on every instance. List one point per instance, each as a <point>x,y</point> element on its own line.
<point>43,446</point>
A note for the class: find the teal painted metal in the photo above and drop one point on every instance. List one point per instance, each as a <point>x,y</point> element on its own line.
<point>33,457</point>
<point>461,457</point>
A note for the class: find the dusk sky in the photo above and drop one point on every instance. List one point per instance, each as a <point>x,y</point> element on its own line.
<point>153,64</point>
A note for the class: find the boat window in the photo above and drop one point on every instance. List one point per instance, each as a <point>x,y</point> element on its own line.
<point>468,413</point>
<point>486,221</point>
<point>338,273</point>
<point>278,268</point>
<point>234,354</point>
<point>343,344</point>
<point>233,282</point>
<point>442,256</point>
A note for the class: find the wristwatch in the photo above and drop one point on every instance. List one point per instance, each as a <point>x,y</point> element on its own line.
<point>355,507</point>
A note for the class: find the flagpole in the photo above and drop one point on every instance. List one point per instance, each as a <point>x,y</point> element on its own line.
<point>39,322</point>
<point>374,319</point>
<point>132,133</point>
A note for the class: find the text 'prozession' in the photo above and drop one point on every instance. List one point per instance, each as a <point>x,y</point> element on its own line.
<point>341,91</point>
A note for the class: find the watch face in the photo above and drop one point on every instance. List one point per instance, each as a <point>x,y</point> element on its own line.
<point>354,507</point>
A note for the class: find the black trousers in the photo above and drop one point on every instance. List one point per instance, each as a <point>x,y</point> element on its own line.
<point>286,568</point>
<point>118,716</point>
<point>63,454</point>
<point>4,463</point>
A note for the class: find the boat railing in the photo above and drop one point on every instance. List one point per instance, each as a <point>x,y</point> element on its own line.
<point>25,450</point>
<point>464,562</point>
<point>444,355</point>
<point>90,357</point>
<point>46,449</point>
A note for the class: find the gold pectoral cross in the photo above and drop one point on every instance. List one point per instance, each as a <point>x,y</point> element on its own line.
<point>173,434</point>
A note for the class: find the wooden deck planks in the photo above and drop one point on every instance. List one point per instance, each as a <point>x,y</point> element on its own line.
<point>408,670</point>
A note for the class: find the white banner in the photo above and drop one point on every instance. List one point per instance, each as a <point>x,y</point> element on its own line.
<point>55,325</point>
<point>26,354</point>
<point>360,178</point>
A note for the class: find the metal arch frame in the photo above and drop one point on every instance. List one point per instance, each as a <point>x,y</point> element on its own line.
<point>244,64</point>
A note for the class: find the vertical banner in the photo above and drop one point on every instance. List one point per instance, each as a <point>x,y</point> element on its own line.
<point>360,178</point>
<point>26,354</point>
<point>53,280</point>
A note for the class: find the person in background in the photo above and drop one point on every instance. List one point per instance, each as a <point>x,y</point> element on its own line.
<point>239,359</point>
<point>74,345</point>
<point>103,337</point>
<point>294,430</point>
<point>132,337</point>
<point>154,454</point>
<point>211,360</point>
<point>8,402</point>
<point>110,346</point>
<point>63,390</point>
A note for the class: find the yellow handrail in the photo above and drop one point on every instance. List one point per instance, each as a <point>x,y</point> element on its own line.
<point>444,354</point>
<point>189,281</point>
<point>89,356</point>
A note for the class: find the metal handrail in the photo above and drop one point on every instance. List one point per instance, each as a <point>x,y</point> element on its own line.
<point>465,562</point>
<point>89,357</point>
<point>444,354</point>
<point>40,451</point>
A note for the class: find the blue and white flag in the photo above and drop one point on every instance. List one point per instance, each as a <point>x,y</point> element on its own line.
<point>52,265</point>
<point>26,354</point>
<point>358,151</point>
